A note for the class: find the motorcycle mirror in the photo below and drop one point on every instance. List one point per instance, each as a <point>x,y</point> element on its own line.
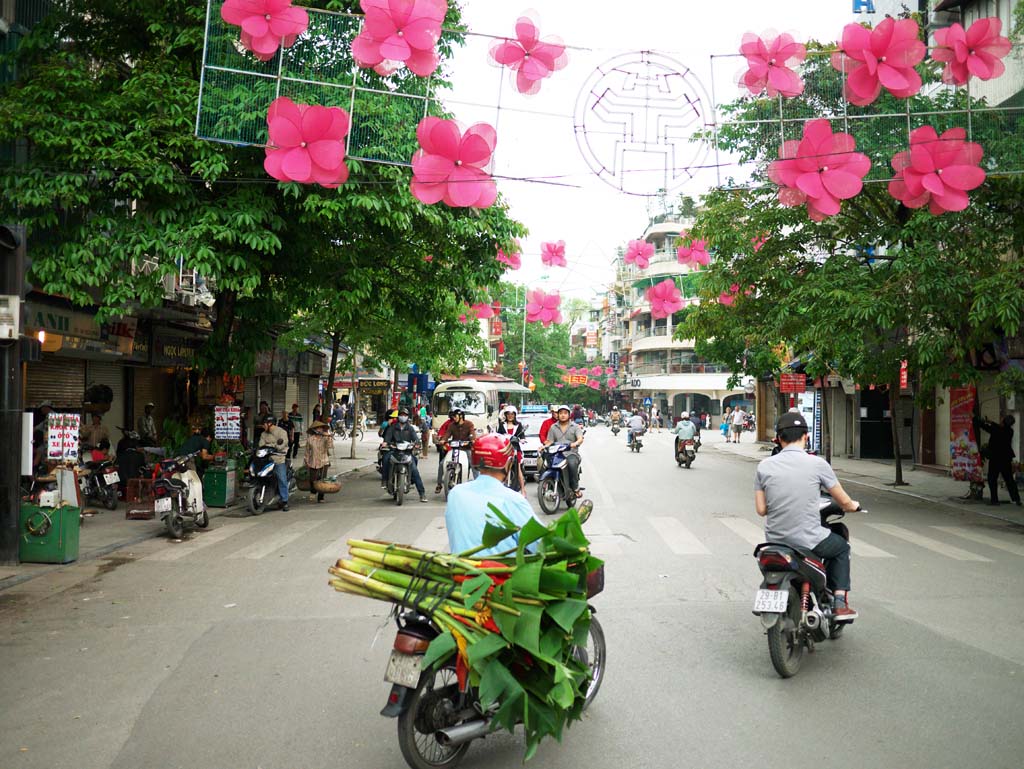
<point>584,509</point>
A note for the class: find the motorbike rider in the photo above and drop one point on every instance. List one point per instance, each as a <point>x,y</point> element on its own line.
<point>635,425</point>
<point>787,493</point>
<point>276,438</point>
<point>465,515</point>
<point>457,428</point>
<point>684,430</point>
<point>146,425</point>
<point>401,431</point>
<point>509,425</point>
<point>615,416</point>
<point>548,423</point>
<point>565,431</point>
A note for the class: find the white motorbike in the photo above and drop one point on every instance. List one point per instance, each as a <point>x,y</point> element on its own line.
<point>456,466</point>
<point>178,495</point>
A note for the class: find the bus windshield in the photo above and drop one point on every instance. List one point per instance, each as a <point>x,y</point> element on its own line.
<point>470,401</point>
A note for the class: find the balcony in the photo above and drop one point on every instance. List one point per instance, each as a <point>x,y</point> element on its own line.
<point>663,369</point>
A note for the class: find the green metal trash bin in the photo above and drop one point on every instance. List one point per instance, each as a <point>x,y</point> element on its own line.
<point>48,534</point>
<point>219,485</point>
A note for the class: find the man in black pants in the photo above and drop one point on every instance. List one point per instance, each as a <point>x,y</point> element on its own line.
<point>1000,458</point>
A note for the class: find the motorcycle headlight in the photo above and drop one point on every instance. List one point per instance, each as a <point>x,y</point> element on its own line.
<point>266,471</point>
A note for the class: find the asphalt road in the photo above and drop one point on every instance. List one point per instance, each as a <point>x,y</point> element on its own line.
<point>229,649</point>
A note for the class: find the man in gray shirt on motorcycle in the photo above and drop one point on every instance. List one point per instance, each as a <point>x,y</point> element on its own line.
<point>564,431</point>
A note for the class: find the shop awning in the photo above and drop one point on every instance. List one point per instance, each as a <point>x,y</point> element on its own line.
<point>511,387</point>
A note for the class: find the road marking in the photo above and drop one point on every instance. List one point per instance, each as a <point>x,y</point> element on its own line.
<point>864,550</point>
<point>749,531</point>
<point>593,480</point>
<point>678,538</point>
<point>603,540</point>
<point>926,542</point>
<point>199,541</point>
<point>982,539</point>
<point>367,529</point>
<point>268,545</point>
<point>434,537</point>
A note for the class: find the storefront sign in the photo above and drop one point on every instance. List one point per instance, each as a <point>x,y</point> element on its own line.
<point>904,376</point>
<point>174,350</point>
<point>496,327</point>
<point>963,443</point>
<point>792,383</point>
<point>227,423</point>
<point>374,386</point>
<point>62,436</point>
<point>54,320</point>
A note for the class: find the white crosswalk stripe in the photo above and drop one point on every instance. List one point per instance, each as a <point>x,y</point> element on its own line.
<point>928,543</point>
<point>276,541</point>
<point>747,530</point>
<point>434,536</point>
<point>199,541</point>
<point>367,529</point>
<point>864,550</point>
<point>603,540</point>
<point>678,538</point>
<point>983,539</point>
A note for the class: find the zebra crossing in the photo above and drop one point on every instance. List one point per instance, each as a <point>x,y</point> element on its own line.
<point>256,539</point>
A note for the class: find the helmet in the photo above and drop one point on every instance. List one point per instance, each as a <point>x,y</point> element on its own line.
<point>791,419</point>
<point>492,450</point>
<point>509,408</point>
<point>686,415</point>
<point>268,417</point>
<point>561,407</point>
<point>392,414</point>
<point>456,412</point>
<point>403,410</point>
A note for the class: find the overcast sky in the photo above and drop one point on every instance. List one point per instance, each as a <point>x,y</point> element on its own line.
<point>536,139</point>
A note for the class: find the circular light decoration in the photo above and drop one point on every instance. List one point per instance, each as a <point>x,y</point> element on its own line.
<point>634,120</point>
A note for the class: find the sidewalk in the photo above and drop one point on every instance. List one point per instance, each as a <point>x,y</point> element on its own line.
<point>880,474</point>
<point>105,530</point>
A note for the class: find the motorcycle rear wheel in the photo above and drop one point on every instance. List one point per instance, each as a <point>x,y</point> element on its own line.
<point>594,656</point>
<point>110,497</point>
<point>548,496</point>
<point>428,711</point>
<point>203,520</point>
<point>399,483</point>
<point>174,522</point>
<point>785,646</point>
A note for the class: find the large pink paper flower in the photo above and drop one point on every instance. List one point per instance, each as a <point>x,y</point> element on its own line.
<point>553,254</point>
<point>728,297</point>
<point>937,170</point>
<point>397,32</point>
<point>694,252</point>
<point>596,371</point>
<point>883,56</point>
<point>542,307</point>
<point>608,370</point>
<point>266,24</point>
<point>639,252</point>
<point>485,310</point>
<point>307,143</point>
<point>531,58</point>
<point>665,298</point>
<point>513,259</point>
<point>978,52</point>
<point>450,165</point>
<point>593,384</point>
<point>821,169</point>
<point>768,65</point>
<point>613,383</point>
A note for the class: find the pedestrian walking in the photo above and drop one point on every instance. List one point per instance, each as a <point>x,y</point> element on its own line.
<point>725,426</point>
<point>656,418</point>
<point>1000,458</point>
<point>295,417</point>
<point>739,418</point>
<point>319,450</point>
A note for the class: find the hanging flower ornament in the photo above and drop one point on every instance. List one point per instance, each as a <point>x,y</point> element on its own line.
<point>513,259</point>
<point>820,170</point>
<point>937,170</point>
<point>665,298</point>
<point>769,65</point>
<point>978,52</point>
<point>613,383</point>
<point>307,143</point>
<point>693,252</point>
<point>530,58</point>
<point>729,297</point>
<point>450,166</point>
<point>542,307</point>
<point>266,24</point>
<point>553,254</point>
<point>881,57</point>
<point>639,252</point>
<point>397,32</point>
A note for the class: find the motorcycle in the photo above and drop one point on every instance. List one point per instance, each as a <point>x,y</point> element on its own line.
<point>438,719</point>
<point>456,468</point>
<point>400,471</point>
<point>264,492</point>
<point>512,476</point>
<point>178,494</point>
<point>553,486</point>
<point>636,439</point>
<point>98,481</point>
<point>686,452</point>
<point>794,602</point>
<point>615,428</point>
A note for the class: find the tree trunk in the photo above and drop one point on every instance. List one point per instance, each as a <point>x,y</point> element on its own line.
<point>219,342</point>
<point>333,371</point>
<point>826,427</point>
<point>894,398</point>
<point>355,402</point>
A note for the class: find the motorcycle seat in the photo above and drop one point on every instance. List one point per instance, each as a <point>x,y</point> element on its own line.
<point>800,551</point>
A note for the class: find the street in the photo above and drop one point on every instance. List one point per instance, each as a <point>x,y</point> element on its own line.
<point>230,650</point>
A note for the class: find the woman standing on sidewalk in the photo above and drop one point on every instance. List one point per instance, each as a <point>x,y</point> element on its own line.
<point>319,450</point>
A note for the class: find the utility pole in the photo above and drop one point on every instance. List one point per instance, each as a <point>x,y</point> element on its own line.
<point>13,264</point>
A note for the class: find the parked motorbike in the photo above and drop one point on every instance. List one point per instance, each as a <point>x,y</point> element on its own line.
<point>793,602</point>
<point>264,492</point>
<point>344,432</point>
<point>178,494</point>
<point>98,482</point>
<point>400,471</point>
<point>553,486</point>
<point>437,720</point>
<point>686,452</point>
<point>456,466</point>
<point>636,441</point>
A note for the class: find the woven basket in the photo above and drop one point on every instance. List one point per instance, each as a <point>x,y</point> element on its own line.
<point>326,487</point>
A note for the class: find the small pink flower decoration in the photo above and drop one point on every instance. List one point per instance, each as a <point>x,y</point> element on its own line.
<point>483,310</point>
<point>639,252</point>
<point>978,52</point>
<point>553,254</point>
<point>821,170</point>
<point>542,307</point>
<point>266,24</point>
<point>397,32</point>
<point>593,384</point>
<point>596,371</point>
<point>450,165</point>
<point>514,260</point>
<point>530,58</point>
<point>728,297</point>
<point>665,298</point>
<point>695,251</point>
<point>759,242</point>
<point>307,143</point>
<point>769,63</point>
<point>428,258</point>
<point>937,170</point>
<point>560,365</point>
<point>608,370</point>
<point>883,56</point>
<point>559,385</point>
<point>613,383</point>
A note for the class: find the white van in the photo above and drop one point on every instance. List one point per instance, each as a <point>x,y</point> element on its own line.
<point>479,400</point>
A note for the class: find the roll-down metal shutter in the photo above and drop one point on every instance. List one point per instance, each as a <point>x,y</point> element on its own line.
<point>58,380</point>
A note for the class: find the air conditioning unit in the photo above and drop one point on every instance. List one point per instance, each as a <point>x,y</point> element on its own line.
<point>170,286</point>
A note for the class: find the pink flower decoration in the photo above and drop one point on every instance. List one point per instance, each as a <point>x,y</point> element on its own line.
<point>613,383</point>
<point>978,52</point>
<point>266,24</point>
<point>483,310</point>
<point>665,298</point>
<point>695,251</point>
<point>542,307</point>
<point>593,384</point>
<point>531,58</point>
<point>560,365</point>
<point>397,32</point>
<point>596,371</point>
<point>307,143</point>
<point>759,242</point>
<point>463,318</point>
<point>639,252</point>
<point>450,165</point>
<point>883,56</point>
<point>514,259</point>
<point>559,385</point>
<point>553,254</point>
<point>428,258</point>
<point>728,297</point>
<point>821,169</point>
<point>937,170</point>
<point>769,65</point>
<point>609,370</point>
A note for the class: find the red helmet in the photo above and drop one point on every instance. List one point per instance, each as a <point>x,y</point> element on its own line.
<point>492,450</point>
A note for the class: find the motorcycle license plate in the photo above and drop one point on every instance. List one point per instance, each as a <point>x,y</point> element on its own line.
<point>773,601</point>
<point>403,669</point>
<point>112,478</point>
<point>162,505</point>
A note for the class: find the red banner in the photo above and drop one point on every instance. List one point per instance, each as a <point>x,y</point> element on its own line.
<point>792,383</point>
<point>904,376</point>
<point>963,443</point>
<point>496,327</point>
